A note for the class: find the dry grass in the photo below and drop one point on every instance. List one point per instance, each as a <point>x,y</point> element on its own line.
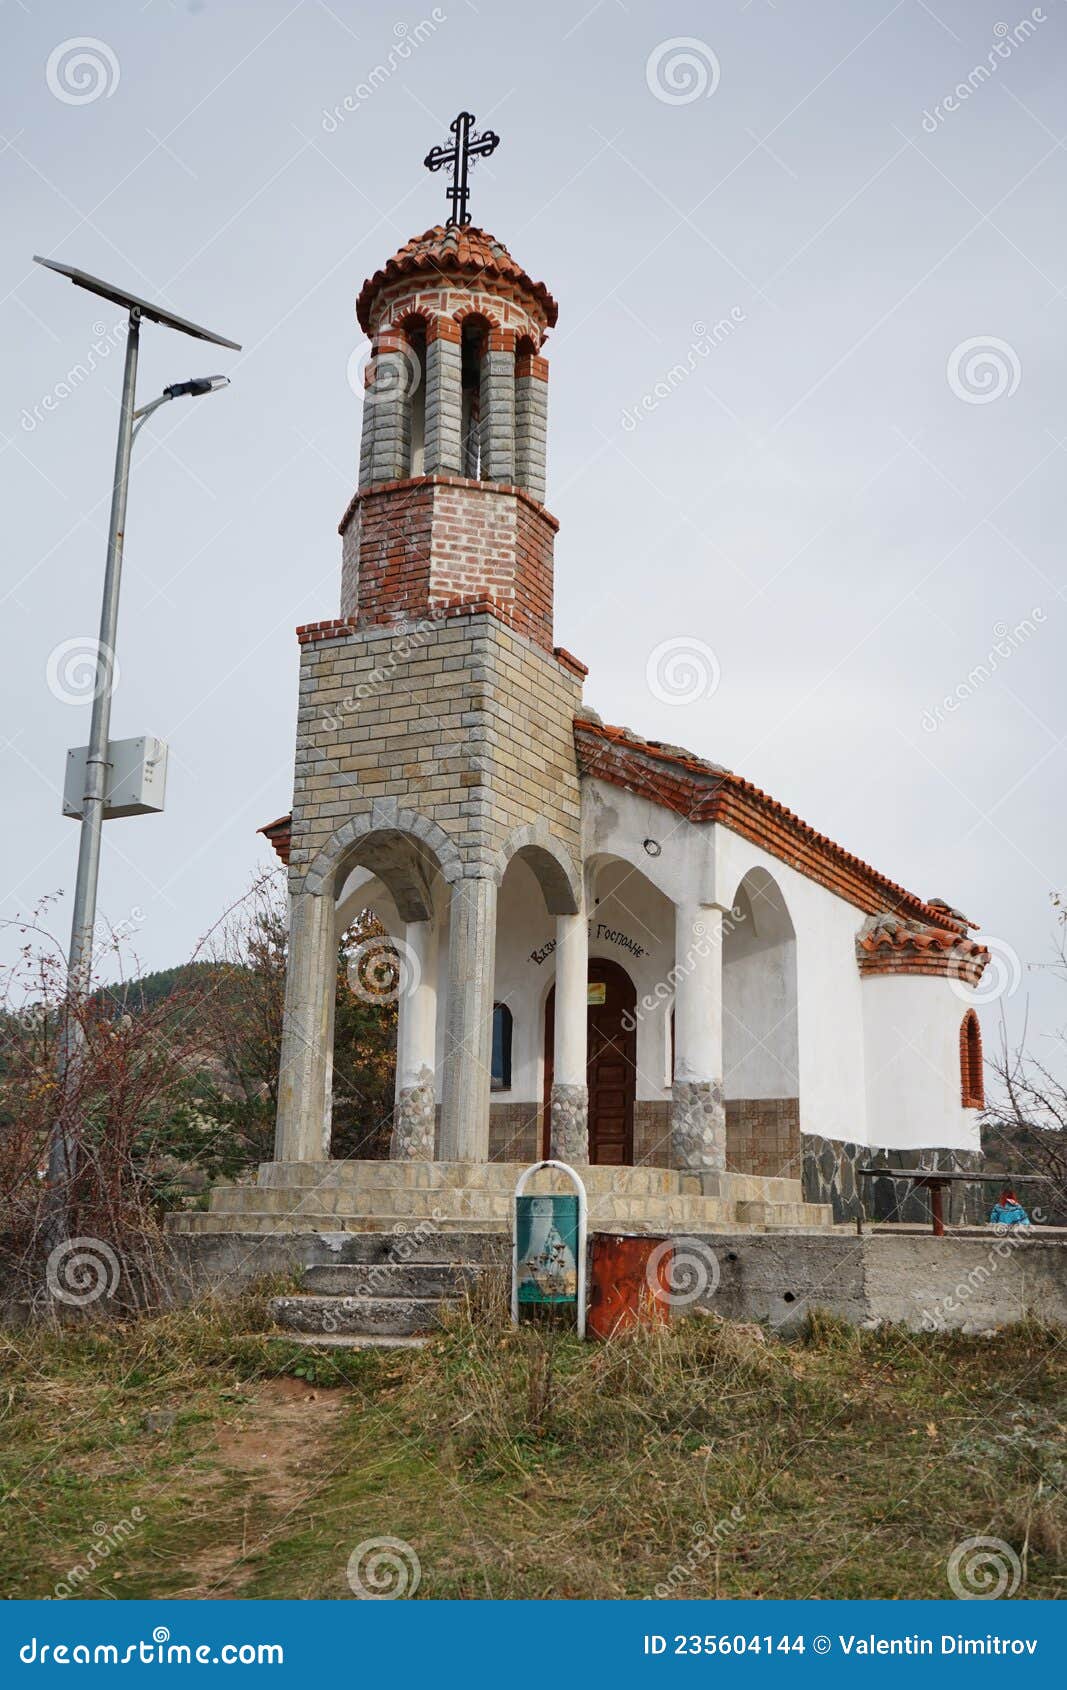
<point>702,1460</point>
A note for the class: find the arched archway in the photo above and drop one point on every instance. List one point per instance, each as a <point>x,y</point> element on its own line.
<point>611,1064</point>
<point>760,1043</point>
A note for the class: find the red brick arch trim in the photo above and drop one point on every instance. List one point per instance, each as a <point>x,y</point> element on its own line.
<point>972,1076</point>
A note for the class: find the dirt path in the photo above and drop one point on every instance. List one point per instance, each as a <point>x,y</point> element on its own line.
<point>281,1443</point>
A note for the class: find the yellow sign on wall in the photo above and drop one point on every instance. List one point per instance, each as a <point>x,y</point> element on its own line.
<point>596,992</point>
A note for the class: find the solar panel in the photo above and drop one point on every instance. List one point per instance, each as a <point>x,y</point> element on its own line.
<point>155,313</point>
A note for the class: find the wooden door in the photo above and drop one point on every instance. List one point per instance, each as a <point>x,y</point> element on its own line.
<point>611,1070</point>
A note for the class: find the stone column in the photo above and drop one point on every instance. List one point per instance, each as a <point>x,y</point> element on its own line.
<point>444,398</point>
<point>531,424</point>
<point>569,1102</point>
<point>305,1079</point>
<point>389,395</point>
<point>698,1115</point>
<point>416,1037</point>
<point>498,407</point>
<point>469,1027</point>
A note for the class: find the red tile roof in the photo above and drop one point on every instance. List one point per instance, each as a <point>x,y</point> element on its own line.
<point>280,834</point>
<point>886,944</point>
<point>704,792</point>
<point>446,252</point>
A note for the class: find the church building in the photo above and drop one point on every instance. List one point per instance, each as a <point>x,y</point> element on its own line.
<point>608,950</point>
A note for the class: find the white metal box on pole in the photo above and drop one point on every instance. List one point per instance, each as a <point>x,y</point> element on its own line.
<point>136,778</point>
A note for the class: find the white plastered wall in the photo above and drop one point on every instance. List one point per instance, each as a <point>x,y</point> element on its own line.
<point>914,1087</point>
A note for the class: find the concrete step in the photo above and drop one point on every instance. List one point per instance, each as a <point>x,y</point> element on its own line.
<point>392,1279</point>
<point>502,1176</point>
<point>199,1221</point>
<point>465,1176</point>
<point>336,1208</point>
<point>380,1317</point>
<point>344,1341</point>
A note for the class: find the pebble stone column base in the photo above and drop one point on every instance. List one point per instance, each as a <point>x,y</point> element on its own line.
<point>569,1123</point>
<point>413,1121</point>
<point>698,1127</point>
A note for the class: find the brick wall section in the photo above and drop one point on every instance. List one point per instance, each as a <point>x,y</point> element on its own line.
<point>464,721</point>
<point>385,559</point>
<point>411,548</point>
<point>531,424</point>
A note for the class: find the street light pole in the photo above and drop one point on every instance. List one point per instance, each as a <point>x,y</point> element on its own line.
<point>63,1142</point>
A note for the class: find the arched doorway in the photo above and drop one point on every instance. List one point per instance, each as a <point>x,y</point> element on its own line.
<point>611,1069</point>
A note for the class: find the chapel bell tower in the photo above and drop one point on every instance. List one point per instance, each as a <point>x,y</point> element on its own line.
<point>435,736</point>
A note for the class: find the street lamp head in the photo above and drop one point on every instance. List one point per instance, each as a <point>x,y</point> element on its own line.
<point>198,385</point>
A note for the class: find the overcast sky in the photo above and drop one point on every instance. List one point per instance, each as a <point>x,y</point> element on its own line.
<point>807,402</point>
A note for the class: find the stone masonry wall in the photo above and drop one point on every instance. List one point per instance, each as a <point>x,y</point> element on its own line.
<point>461,720</point>
<point>830,1176</point>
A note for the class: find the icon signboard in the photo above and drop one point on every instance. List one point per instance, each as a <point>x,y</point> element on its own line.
<point>548,1245</point>
<point>546,1232</point>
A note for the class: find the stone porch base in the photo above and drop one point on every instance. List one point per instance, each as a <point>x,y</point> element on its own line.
<point>476,1197</point>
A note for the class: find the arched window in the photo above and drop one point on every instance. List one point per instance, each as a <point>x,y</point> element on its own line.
<point>473,343</point>
<point>411,383</point>
<point>972,1084</point>
<point>501,1064</point>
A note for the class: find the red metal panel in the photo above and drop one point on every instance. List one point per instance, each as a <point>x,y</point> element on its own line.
<point>630,1283</point>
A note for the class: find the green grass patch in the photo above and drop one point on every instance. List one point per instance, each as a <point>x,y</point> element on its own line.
<point>704,1460</point>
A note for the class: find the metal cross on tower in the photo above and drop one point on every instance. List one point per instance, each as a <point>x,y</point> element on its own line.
<point>465,149</point>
